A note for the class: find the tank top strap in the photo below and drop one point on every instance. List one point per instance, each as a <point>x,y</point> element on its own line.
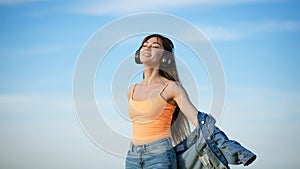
<point>132,91</point>
<point>163,89</point>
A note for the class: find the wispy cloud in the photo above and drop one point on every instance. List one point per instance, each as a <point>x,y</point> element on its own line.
<point>13,2</point>
<point>117,7</point>
<point>34,50</point>
<point>262,105</point>
<point>238,31</point>
<point>253,113</point>
<point>35,104</point>
<point>275,25</point>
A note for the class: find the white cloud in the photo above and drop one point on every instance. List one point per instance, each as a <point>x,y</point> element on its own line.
<point>41,131</point>
<point>274,25</point>
<point>127,6</point>
<point>237,31</point>
<point>249,103</point>
<point>252,115</point>
<point>35,104</point>
<point>220,33</point>
<point>33,50</point>
<point>11,2</point>
<point>261,120</point>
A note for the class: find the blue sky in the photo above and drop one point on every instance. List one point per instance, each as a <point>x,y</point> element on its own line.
<point>41,40</point>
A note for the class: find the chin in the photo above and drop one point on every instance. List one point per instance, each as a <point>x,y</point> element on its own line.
<point>146,60</point>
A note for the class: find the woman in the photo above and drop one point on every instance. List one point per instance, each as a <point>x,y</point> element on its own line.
<point>155,104</point>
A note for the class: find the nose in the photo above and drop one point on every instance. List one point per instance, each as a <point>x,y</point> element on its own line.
<point>147,48</point>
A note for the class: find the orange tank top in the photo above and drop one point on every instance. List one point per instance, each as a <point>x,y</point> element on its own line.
<point>151,118</point>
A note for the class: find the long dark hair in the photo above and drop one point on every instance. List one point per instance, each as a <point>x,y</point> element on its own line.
<point>180,126</point>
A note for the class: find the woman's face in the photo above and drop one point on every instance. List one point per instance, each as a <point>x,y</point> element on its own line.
<point>151,51</point>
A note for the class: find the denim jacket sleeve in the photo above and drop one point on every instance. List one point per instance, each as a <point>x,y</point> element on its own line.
<point>226,150</point>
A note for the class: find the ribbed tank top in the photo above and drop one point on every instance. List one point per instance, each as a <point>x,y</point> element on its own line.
<point>151,118</point>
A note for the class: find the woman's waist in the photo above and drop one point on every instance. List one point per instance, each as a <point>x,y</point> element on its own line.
<point>150,129</point>
<point>154,145</point>
<point>145,136</point>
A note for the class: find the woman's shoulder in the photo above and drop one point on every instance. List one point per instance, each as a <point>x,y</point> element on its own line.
<point>172,87</point>
<point>131,86</point>
<point>130,89</point>
<point>172,84</point>
<point>175,88</point>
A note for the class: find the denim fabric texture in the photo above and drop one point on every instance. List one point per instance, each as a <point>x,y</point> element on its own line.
<point>208,147</point>
<point>156,155</point>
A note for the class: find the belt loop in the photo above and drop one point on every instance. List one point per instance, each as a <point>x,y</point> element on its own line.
<point>131,147</point>
<point>170,141</point>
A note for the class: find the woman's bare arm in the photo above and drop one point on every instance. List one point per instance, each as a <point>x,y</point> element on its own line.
<point>180,96</point>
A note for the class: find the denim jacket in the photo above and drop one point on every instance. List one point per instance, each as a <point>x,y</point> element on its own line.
<point>209,147</point>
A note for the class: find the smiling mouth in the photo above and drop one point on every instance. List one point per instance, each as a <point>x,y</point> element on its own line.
<point>147,54</point>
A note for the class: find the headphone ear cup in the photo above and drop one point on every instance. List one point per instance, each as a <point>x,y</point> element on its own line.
<point>137,57</point>
<point>166,59</point>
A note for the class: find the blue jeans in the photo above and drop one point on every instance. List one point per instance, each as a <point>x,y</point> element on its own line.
<point>156,155</point>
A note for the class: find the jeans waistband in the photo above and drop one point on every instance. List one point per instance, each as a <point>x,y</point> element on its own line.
<point>165,143</point>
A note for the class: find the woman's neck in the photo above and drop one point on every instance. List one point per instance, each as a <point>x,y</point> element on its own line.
<point>151,76</point>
